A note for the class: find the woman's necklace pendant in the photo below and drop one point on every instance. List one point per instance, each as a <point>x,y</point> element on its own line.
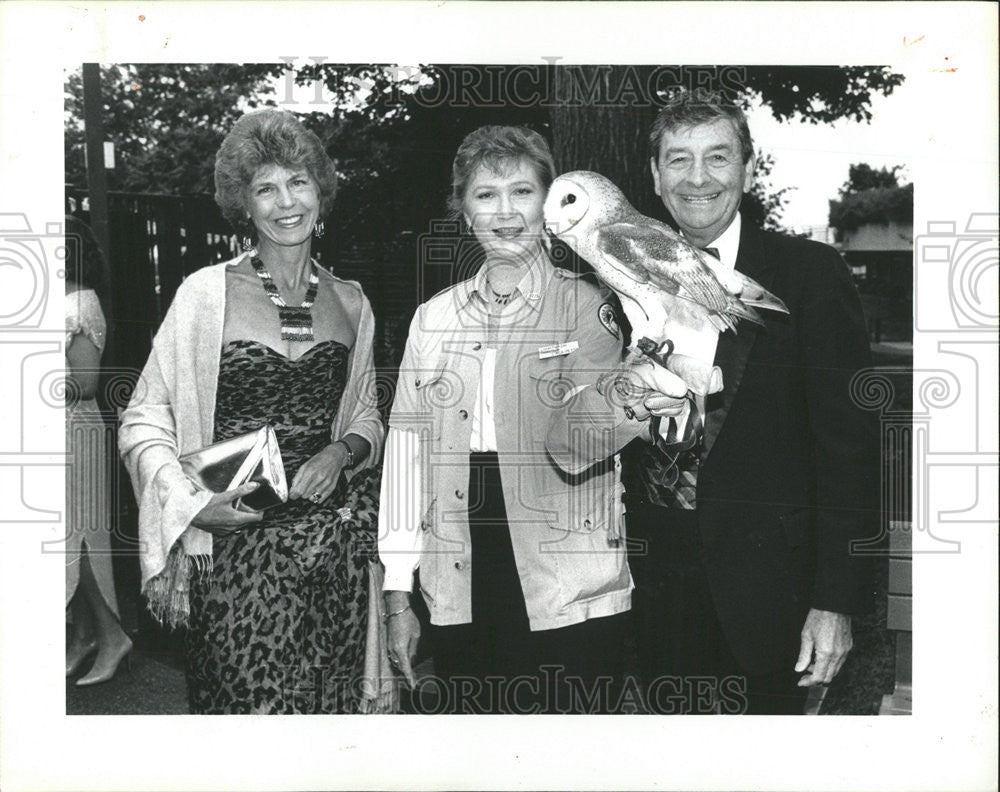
<point>501,299</point>
<point>296,322</point>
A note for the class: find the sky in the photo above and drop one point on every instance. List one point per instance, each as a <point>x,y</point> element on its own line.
<point>814,158</point>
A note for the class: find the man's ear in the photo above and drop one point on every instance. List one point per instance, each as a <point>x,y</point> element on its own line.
<point>656,175</point>
<point>748,171</point>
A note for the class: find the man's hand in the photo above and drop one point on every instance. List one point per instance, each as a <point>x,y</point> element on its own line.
<point>828,636</point>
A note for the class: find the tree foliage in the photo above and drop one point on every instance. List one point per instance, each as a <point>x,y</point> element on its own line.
<point>820,94</point>
<point>394,149</point>
<point>862,176</point>
<point>871,196</point>
<point>611,131</point>
<point>765,203</point>
<point>166,121</point>
<point>394,131</point>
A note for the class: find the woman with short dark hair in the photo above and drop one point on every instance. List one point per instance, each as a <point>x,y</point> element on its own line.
<point>275,602</point>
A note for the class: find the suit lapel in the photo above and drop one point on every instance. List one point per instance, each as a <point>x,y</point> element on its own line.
<point>733,349</point>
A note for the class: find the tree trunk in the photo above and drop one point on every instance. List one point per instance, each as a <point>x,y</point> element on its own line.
<point>600,122</point>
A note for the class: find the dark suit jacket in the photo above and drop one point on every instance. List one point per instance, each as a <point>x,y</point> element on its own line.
<point>789,464</point>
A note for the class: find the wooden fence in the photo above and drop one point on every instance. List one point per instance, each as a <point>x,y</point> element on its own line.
<point>158,240</point>
<point>155,242</point>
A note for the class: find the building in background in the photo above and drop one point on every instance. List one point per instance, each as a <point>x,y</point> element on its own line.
<point>873,225</point>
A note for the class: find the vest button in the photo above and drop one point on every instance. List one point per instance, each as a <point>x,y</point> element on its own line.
<point>459,494</point>
<point>477,346</point>
<point>459,565</point>
<point>463,414</point>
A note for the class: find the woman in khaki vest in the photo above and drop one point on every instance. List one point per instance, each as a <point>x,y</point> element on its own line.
<point>522,566</point>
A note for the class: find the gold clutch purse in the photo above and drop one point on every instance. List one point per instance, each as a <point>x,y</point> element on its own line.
<point>254,456</point>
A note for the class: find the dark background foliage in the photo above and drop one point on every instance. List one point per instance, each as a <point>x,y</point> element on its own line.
<point>393,132</point>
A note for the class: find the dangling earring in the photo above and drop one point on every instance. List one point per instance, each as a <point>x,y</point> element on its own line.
<point>319,229</point>
<point>247,239</point>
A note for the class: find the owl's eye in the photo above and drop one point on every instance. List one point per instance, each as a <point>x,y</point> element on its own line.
<point>568,199</point>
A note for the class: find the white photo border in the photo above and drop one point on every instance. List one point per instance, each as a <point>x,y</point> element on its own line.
<point>949,742</point>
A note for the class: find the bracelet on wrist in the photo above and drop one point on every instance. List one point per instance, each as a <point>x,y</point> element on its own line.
<point>350,452</point>
<point>397,612</point>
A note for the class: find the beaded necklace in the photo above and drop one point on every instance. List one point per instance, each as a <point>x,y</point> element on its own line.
<point>296,323</point>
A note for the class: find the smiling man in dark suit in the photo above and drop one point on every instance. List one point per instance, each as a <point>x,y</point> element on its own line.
<point>747,581</point>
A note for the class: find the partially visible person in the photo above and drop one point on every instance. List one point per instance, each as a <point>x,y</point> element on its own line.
<point>522,567</point>
<point>96,631</point>
<point>748,577</point>
<point>276,602</point>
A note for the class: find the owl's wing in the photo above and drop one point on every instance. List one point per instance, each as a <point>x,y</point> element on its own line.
<point>651,255</point>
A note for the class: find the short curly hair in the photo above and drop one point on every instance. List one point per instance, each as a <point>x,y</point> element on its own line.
<point>691,108</point>
<point>495,146</point>
<point>268,137</point>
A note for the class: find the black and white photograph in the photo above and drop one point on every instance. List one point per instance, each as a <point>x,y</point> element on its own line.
<point>567,367</point>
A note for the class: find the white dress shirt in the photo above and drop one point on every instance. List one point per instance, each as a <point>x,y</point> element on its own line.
<point>702,343</point>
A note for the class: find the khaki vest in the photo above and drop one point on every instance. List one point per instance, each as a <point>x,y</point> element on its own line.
<point>566,530</point>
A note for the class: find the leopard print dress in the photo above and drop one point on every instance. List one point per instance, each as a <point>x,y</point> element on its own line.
<point>279,625</point>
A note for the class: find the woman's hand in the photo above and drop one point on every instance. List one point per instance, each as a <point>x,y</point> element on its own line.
<point>220,518</point>
<point>318,477</point>
<point>403,633</point>
<point>652,389</point>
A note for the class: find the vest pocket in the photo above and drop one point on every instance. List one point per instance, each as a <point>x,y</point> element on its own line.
<point>434,390</point>
<point>578,509</point>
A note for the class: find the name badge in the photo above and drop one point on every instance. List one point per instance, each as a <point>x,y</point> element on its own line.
<point>557,350</point>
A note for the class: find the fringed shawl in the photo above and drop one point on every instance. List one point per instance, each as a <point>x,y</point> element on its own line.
<point>172,412</point>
